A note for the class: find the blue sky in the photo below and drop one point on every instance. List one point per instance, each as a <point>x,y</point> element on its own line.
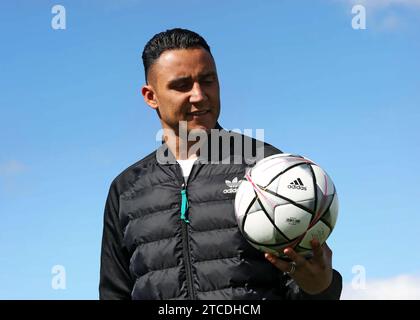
<point>72,118</point>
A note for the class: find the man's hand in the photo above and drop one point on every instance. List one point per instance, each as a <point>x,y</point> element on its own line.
<point>312,275</point>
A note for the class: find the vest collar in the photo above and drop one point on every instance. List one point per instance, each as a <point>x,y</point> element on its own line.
<point>164,155</point>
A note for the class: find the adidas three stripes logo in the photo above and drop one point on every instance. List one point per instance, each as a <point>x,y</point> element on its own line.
<point>297,184</point>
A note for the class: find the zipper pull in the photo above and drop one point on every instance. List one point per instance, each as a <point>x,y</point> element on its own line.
<point>184,204</point>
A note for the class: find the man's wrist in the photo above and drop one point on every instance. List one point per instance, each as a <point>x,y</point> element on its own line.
<point>332,292</point>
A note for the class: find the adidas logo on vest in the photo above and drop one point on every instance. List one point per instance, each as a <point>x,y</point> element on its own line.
<point>233,185</point>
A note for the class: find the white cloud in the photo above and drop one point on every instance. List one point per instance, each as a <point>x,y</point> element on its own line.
<point>390,22</point>
<point>11,167</point>
<point>402,287</point>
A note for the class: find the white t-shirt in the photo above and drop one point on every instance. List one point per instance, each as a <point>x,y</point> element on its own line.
<point>186,166</point>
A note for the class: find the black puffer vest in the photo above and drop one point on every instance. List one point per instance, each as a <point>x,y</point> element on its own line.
<point>203,256</point>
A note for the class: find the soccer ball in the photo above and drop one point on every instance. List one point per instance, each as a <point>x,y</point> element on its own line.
<point>284,201</point>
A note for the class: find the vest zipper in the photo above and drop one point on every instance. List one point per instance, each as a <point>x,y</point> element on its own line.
<point>186,242</point>
<point>187,255</point>
<point>184,204</point>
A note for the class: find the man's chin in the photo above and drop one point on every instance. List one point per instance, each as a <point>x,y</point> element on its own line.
<point>201,127</point>
<point>198,129</point>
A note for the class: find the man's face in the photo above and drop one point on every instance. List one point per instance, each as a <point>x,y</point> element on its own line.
<point>183,86</point>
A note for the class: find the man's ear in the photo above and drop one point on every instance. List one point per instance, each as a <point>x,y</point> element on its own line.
<point>149,96</point>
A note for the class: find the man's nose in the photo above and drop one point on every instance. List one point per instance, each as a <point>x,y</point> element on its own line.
<point>197,94</point>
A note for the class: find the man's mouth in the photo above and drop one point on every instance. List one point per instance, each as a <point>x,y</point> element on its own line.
<point>197,113</point>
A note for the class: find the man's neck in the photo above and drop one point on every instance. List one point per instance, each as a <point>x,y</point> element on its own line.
<point>180,145</point>
<point>180,148</point>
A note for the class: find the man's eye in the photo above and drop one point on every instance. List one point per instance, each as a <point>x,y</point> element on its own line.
<point>207,80</point>
<point>182,86</point>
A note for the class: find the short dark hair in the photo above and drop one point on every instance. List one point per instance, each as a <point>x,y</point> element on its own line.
<point>169,40</point>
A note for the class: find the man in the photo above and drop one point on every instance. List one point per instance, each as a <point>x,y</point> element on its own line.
<point>169,229</point>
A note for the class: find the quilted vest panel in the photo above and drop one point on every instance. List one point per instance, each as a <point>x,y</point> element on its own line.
<point>207,258</point>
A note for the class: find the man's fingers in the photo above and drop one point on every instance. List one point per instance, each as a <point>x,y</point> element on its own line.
<point>316,248</point>
<point>319,251</point>
<point>280,264</point>
<point>297,258</point>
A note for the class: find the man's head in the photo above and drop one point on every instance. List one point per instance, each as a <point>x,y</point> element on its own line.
<point>170,40</point>
<point>181,80</point>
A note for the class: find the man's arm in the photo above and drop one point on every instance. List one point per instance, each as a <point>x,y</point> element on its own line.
<point>333,292</point>
<point>116,282</point>
<point>313,278</point>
